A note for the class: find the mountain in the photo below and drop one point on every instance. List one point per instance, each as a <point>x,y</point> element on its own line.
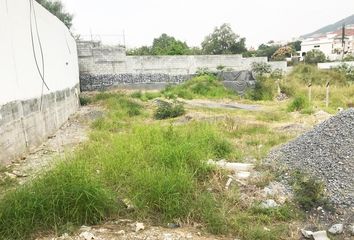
<point>332,27</point>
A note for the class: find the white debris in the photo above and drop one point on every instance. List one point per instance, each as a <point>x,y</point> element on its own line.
<point>320,235</point>
<point>306,234</point>
<point>139,226</point>
<point>228,183</point>
<point>237,167</point>
<point>87,236</point>
<point>336,229</point>
<point>269,203</point>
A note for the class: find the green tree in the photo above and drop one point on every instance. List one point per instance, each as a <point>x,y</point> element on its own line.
<point>57,9</point>
<point>167,45</point>
<point>141,51</point>
<point>267,50</point>
<point>295,45</point>
<point>223,41</point>
<point>315,56</point>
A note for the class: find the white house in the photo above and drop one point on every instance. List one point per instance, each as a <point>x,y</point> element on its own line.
<point>330,44</point>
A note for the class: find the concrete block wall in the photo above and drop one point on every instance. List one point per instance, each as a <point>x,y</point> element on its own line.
<point>25,124</point>
<point>29,111</point>
<point>102,62</point>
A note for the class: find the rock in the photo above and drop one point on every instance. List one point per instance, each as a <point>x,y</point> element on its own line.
<point>306,234</point>
<point>269,203</point>
<point>121,232</point>
<point>326,153</point>
<point>173,225</point>
<point>351,230</point>
<point>336,229</point>
<point>87,236</point>
<point>320,235</point>
<point>167,236</point>
<point>139,226</point>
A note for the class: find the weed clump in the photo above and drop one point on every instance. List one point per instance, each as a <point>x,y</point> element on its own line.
<point>67,194</point>
<point>298,103</point>
<point>308,191</point>
<point>84,100</point>
<point>204,86</point>
<point>169,110</point>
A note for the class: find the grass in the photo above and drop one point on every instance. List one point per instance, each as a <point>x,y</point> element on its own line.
<point>66,194</point>
<point>145,96</point>
<point>204,86</point>
<point>169,110</point>
<point>159,167</point>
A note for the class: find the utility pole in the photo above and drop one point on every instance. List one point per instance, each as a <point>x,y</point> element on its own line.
<point>343,41</point>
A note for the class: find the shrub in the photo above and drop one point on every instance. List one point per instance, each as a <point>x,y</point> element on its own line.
<point>261,68</point>
<point>198,87</point>
<point>298,103</point>
<point>315,56</point>
<point>263,90</point>
<point>308,191</point>
<point>84,100</point>
<point>169,110</point>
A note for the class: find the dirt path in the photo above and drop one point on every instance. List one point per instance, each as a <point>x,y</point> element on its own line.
<point>213,104</point>
<point>126,230</point>
<point>64,141</point>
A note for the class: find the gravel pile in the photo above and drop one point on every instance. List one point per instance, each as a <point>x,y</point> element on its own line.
<point>326,152</point>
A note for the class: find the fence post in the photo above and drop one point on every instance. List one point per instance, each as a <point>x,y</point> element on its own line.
<point>310,91</point>
<point>327,93</point>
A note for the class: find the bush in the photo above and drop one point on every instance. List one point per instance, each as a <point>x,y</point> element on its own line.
<point>298,103</point>
<point>308,191</point>
<point>84,100</point>
<point>204,86</point>
<point>346,70</point>
<point>263,90</point>
<point>169,110</point>
<point>261,68</point>
<point>315,56</point>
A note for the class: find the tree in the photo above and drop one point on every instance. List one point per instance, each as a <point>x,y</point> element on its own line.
<point>282,53</point>
<point>57,9</point>
<point>295,45</point>
<point>267,50</point>
<point>223,41</point>
<point>315,56</point>
<point>144,50</point>
<point>167,45</point>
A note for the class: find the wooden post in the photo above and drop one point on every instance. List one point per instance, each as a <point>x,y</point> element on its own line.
<point>278,85</point>
<point>310,91</point>
<point>327,93</point>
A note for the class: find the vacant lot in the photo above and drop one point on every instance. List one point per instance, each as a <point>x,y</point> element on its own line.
<point>148,159</point>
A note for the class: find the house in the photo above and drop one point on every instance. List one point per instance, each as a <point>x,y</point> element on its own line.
<point>331,44</point>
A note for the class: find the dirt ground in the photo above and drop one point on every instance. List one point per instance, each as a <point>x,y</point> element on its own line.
<point>64,141</point>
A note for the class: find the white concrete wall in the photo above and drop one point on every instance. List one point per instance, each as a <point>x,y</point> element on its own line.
<point>29,112</point>
<point>19,77</point>
<point>330,65</point>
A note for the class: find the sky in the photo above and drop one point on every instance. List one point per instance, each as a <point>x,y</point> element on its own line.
<point>259,21</point>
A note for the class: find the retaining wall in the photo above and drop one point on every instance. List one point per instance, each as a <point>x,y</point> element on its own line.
<point>102,67</point>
